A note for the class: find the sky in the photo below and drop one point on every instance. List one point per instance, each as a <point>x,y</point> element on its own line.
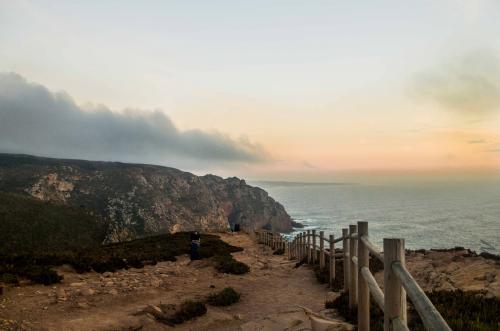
<point>283,90</point>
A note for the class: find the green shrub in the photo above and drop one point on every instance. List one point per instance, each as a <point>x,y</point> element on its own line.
<point>9,279</point>
<point>463,311</point>
<point>188,310</point>
<point>43,275</point>
<point>111,257</point>
<point>322,275</point>
<point>112,264</point>
<point>227,264</point>
<point>226,297</point>
<point>279,251</point>
<point>338,283</point>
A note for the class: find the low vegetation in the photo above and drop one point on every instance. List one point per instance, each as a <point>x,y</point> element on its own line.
<point>227,264</point>
<point>28,226</point>
<point>323,275</point>
<point>463,311</point>
<point>226,297</point>
<point>279,251</point>
<point>9,279</point>
<point>36,236</point>
<point>186,311</point>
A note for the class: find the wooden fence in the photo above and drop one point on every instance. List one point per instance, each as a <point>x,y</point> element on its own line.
<point>359,282</point>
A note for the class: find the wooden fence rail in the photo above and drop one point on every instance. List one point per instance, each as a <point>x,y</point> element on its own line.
<point>359,282</point>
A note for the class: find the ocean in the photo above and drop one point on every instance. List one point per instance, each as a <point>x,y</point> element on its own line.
<point>427,215</point>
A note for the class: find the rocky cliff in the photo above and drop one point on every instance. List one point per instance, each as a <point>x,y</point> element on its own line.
<point>136,200</point>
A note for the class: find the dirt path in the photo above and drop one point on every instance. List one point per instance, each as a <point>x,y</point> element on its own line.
<point>111,301</point>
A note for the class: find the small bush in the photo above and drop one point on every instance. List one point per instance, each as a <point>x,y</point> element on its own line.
<point>301,262</point>
<point>135,262</point>
<point>43,275</point>
<point>9,279</point>
<point>112,264</point>
<point>226,297</point>
<point>330,304</point>
<point>279,251</point>
<point>227,264</point>
<point>188,310</point>
<point>463,311</point>
<point>322,275</point>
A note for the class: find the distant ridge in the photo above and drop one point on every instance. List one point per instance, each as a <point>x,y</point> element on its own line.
<point>287,183</point>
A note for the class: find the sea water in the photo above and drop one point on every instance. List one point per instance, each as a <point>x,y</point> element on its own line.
<point>426,215</point>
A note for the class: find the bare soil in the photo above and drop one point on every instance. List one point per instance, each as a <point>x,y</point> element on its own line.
<point>116,301</point>
<point>271,292</point>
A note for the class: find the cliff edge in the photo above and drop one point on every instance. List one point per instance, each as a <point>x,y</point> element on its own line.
<point>135,200</point>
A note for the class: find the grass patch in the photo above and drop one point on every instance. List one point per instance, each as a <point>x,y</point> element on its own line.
<point>189,310</point>
<point>463,311</point>
<point>185,312</point>
<point>226,297</point>
<point>112,257</point>
<point>9,279</point>
<point>227,264</point>
<point>43,275</point>
<point>29,225</point>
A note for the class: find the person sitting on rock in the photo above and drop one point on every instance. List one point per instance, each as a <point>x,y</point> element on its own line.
<point>195,246</point>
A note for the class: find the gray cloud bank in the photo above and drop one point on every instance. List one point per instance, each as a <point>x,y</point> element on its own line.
<point>469,85</point>
<point>34,120</point>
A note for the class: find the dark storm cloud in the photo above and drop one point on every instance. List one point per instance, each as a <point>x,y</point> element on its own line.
<point>469,85</point>
<point>34,120</point>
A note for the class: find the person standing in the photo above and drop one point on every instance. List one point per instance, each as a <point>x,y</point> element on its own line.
<point>195,245</point>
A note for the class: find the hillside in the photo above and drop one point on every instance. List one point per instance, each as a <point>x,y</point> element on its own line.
<point>28,226</point>
<point>135,200</point>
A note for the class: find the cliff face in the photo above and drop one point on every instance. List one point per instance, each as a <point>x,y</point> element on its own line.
<point>136,200</point>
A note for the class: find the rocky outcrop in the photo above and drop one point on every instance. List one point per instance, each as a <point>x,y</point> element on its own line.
<point>136,200</point>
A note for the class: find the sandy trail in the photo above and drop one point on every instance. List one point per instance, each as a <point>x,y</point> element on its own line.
<point>92,301</point>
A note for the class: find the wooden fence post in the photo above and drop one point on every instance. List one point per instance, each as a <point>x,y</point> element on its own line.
<point>332,260</point>
<point>314,251</point>
<point>345,248</point>
<point>308,248</point>
<point>301,246</point>
<point>297,246</point>
<point>363,290</point>
<point>394,294</point>
<point>304,246</point>
<point>322,250</point>
<point>295,253</point>
<point>353,269</point>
